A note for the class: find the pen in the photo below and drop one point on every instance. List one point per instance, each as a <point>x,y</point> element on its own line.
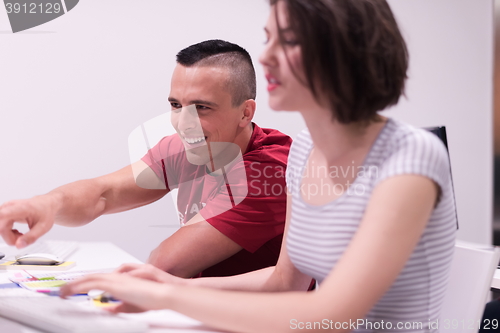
<point>30,277</point>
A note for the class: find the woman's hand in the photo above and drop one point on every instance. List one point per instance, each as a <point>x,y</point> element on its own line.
<point>138,286</point>
<point>149,272</point>
<point>136,294</point>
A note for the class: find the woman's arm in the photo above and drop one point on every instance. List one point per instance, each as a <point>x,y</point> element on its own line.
<point>394,220</point>
<point>282,277</point>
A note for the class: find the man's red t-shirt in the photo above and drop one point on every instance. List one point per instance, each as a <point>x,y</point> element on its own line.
<point>247,203</point>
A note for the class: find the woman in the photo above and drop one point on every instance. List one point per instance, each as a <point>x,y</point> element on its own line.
<point>371,212</point>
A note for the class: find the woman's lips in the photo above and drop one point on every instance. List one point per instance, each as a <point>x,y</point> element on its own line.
<point>271,86</point>
<point>272,83</point>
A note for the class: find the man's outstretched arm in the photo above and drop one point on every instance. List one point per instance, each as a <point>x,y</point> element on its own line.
<point>79,203</point>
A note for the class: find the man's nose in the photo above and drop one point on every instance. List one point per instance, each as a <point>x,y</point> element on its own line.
<point>188,119</point>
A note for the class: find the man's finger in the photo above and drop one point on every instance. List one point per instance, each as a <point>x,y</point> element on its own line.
<point>13,211</point>
<point>10,236</point>
<point>8,215</point>
<point>35,232</point>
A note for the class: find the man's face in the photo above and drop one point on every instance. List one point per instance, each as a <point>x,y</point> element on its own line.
<point>202,112</point>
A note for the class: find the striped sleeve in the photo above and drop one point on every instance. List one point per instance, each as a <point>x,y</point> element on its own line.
<point>420,153</point>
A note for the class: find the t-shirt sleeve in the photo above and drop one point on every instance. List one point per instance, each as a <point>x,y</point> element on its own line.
<point>420,153</point>
<point>259,215</point>
<point>163,158</point>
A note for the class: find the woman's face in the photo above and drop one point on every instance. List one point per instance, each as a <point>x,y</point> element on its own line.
<point>286,91</point>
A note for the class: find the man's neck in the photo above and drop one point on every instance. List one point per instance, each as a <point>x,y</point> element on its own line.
<point>243,138</point>
<point>232,152</point>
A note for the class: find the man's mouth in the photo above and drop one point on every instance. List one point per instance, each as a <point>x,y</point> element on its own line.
<point>195,140</point>
<point>191,142</point>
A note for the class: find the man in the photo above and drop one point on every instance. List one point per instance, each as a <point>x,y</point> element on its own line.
<point>231,223</point>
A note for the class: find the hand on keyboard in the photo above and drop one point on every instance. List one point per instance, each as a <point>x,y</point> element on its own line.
<point>136,294</point>
<point>149,272</point>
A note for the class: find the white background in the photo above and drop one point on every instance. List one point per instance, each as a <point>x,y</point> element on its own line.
<point>73,89</point>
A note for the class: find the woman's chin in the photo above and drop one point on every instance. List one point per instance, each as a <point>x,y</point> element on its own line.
<point>276,105</point>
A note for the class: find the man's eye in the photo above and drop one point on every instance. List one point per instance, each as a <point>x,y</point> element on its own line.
<point>175,106</point>
<point>202,108</point>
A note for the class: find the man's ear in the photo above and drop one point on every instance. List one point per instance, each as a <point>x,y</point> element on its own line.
<point>248,110</point>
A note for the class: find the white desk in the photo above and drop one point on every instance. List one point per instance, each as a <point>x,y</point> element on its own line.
<point>103,255</point>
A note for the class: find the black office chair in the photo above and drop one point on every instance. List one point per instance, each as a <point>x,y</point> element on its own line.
<point>440,132</point>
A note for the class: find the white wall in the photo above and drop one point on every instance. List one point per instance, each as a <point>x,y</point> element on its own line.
<point>73,89</point>
<point>451,83</point>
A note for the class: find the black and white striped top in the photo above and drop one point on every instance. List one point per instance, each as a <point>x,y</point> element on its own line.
<point>318,235</point>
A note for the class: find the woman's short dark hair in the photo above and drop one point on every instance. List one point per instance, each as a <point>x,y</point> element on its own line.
<point>352,53</point>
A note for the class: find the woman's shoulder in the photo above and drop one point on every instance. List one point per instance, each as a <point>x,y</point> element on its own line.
<point>303,138</point>
<point>406,149</point>
<point>403,137</point>
<point>297,157</point>
<point>301,147</point>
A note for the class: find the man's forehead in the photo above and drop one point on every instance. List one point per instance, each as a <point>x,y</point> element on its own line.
<point>196,80</point>
<point>196,73</point>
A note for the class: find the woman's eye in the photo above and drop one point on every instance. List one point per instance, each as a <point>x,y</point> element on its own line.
<point>290,42</point>
<point>288,38</point>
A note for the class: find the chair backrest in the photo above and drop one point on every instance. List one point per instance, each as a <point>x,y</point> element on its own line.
<point>440,132</point>
<point>468,287</point>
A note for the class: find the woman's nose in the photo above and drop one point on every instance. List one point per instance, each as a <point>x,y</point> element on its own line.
<point>268,57</point>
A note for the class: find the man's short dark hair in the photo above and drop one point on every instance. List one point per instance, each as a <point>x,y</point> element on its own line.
<point>219,53</point>
<point>352,53</point>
